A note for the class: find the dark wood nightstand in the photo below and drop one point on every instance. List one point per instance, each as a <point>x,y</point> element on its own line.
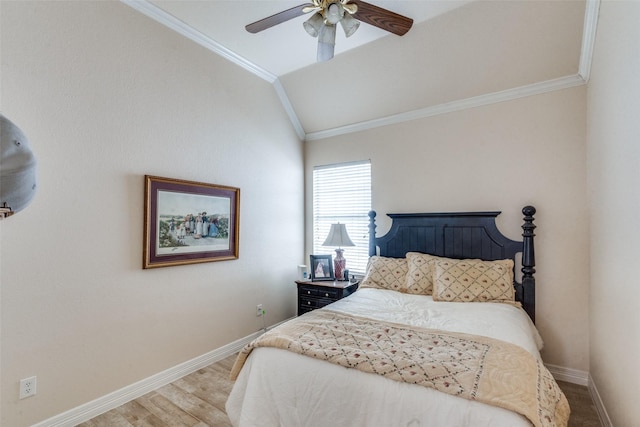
<point>312,295</point>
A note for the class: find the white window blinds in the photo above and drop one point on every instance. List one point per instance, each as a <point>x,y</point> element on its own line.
<point>342,193</point>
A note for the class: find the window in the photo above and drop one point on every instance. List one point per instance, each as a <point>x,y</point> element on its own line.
<point>342,193</point>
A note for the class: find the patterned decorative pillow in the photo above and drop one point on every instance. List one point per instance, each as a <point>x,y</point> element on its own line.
<point>473,280</point>
<point>386,273</point>
<point>420,275</point>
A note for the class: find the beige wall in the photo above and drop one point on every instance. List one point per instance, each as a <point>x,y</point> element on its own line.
<point>106,96</point>
<point>614,176</point>
<point>498,157</point>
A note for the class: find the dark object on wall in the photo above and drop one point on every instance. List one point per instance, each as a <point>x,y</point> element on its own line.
<point>461,235</point>
<point>187,222</point>
<point>17,169</point>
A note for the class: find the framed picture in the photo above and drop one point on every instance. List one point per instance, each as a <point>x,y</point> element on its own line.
<point>321,267</point>
<point>189,222</point>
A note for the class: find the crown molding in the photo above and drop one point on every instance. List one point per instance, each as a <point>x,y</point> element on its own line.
<point>154,12</point>
<point>288,108</point>
<point>582,77</point>
<point>588,37</point>
<point>450,107</point>
<point>586,53</point>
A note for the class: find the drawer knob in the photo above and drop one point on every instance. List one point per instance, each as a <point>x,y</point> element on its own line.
<point>308,292</point>
<point>326,294</point>
<point>308,302</point>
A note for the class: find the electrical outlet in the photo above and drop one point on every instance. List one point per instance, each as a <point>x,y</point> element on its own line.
<point>27,387</point>
<point>259,311</point>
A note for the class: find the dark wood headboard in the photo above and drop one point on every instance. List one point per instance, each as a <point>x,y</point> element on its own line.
<point>461,235</point>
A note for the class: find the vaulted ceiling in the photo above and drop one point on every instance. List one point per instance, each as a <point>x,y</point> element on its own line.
<point>457,55</point>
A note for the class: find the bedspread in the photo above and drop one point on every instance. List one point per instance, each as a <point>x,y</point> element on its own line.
<point>469,366</point>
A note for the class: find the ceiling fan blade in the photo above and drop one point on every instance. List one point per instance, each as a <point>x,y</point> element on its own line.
<point>382,18</point>
<point>278,18</point>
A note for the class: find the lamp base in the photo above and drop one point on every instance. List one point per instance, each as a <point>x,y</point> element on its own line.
<point>339,264</point>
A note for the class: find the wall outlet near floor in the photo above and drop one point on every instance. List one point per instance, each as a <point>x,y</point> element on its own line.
<point>259,310</point>
<point>27,387</point>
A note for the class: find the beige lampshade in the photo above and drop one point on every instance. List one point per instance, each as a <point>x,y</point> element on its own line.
<point>338,236</point>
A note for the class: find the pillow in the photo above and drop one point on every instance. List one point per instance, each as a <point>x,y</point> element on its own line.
<point>473,280</point>
<point>420,274</point>
<point>386,273</point>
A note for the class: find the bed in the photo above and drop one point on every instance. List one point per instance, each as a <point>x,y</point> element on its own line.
<point>440,333</point>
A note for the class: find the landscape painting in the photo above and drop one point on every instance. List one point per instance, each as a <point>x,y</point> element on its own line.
<point>189,222</point>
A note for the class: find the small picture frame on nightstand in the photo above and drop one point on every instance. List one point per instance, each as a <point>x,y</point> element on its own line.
<point>321,267</point>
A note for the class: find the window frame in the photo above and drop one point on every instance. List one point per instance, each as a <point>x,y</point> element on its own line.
<point>349,204</point>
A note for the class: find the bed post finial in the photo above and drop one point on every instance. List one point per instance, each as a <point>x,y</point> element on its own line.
<point>372,233</point>
<point>528,262</point>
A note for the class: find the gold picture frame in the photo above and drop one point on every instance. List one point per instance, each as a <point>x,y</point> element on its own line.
<point>188,222</point>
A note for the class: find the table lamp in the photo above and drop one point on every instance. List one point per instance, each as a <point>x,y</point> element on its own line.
<point>338,237</point>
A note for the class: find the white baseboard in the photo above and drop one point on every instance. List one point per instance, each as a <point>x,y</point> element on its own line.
<point>573,376</point>
<point>597,401</point>
<point>126,394</point>
<point>583,378</point>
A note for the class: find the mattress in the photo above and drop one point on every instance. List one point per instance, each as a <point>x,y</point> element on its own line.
<point>282,388</point>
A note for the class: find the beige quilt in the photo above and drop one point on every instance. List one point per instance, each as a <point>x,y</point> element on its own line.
<point>469,366</point>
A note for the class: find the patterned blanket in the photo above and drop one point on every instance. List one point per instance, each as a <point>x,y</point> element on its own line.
<point>473,367</point>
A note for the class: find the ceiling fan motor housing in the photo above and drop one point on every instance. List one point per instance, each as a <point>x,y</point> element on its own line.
<point>333,13</point>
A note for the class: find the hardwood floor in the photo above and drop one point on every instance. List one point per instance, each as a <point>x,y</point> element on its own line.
<point>198,399</point>
<point>583,411</point>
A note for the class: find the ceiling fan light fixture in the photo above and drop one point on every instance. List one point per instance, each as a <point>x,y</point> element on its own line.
<point>325,15</point>
<point>349,24</point>
<point>314,24</point>
<point>326,42</point>
<point>334,13</point>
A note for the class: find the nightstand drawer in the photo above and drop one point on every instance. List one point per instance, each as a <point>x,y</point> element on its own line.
<point>311,291</point>
<point>313,302</point>
<point>308,291</point>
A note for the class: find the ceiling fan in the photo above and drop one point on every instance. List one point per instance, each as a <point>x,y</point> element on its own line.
<point>328,13</point>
